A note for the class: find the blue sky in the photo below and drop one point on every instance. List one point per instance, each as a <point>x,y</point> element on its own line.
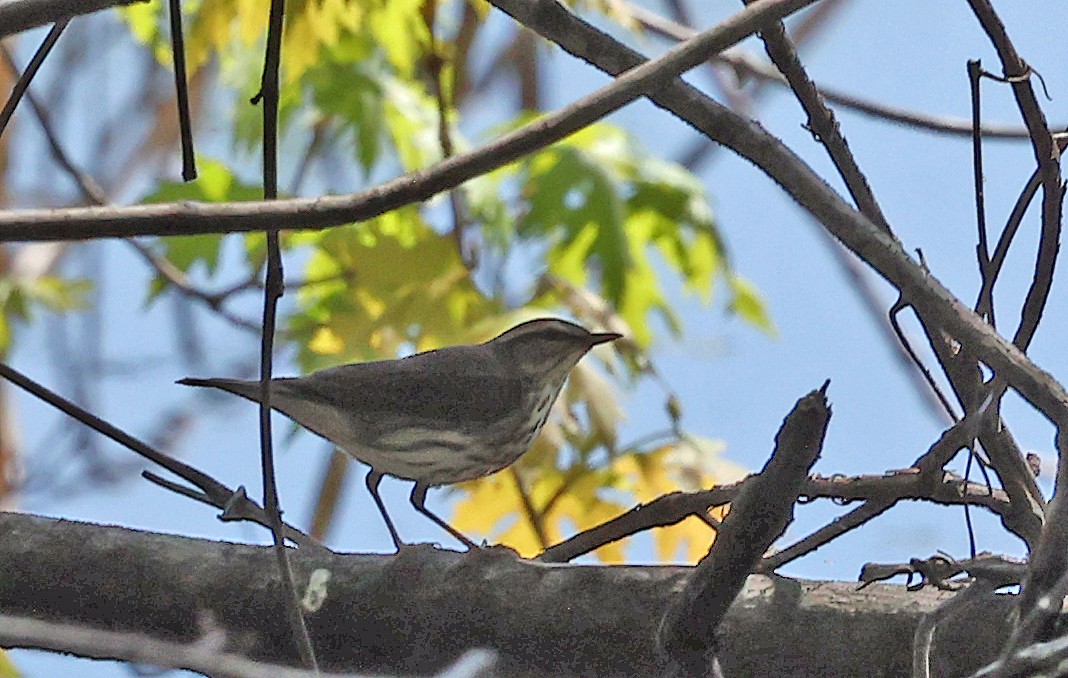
<point>735,383</point>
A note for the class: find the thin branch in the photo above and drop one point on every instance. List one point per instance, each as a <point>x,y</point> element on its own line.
<point>944,488</point>
<point>435,63</point>
<point>745,63</point>
<point>825,127</point>
<point>320,137</point>
<point>821,121</point>
<point>215,493</point>
<point>86,184</point>
<point>1017,74</point>
<point>836,528</point>
<point>533,516</point>
<point>179,281</point>
<point>1042,595</point>
<point>207,655</point>
<point>323,212</point>
<point>745,137</point>
<point>985,306</point>
<point>17,16</point>
<point>23,82</point>
<point>181,89</point>
<point>95,194</point>
<point>1008,234</point>
<point>910,351</point>
<point>749,140</point>
<point>273,290</point>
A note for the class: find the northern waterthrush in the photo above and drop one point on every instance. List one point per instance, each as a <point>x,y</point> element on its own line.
<point>439,417</point>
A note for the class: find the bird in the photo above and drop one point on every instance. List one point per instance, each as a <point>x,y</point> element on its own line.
<point>438,417</point>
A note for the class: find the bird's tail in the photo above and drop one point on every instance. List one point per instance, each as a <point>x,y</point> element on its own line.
<point>245,389</point>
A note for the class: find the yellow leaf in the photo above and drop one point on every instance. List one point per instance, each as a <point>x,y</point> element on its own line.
<point>7,667</point>
<point>692,535</point>
<point>688,465</point>
<point>584,511</point>
<point>488,500</point>
<point>325,342</point>
<point>522,537</point>
<point>647,475</point>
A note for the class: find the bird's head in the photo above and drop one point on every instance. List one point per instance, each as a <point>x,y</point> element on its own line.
<point>546,345</point>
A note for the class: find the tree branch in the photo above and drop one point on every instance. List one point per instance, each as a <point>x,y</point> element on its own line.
<point>419,611</point>
<point>190,218</point>
<point>22,15</point>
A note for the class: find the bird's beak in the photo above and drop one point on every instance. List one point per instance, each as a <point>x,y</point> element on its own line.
<point>603,338</point>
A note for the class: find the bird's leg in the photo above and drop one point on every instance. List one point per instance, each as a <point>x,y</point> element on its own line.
<point>419,502</point>
<point>373,479</point>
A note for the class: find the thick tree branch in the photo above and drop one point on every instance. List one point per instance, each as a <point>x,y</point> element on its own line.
<point>760,514</point>
<point>420,610</point>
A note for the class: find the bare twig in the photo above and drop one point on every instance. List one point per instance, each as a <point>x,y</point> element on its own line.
<point>821,121</point>
<point>435,65</point>
<point>533,516</point>
<point>669,509</point>
<point>207,655</point>
<point>836,528</point>
<point>23,83</point>
<point>213,492</point>
<point>884,254</point>
<point>985,305</point>
<point>273,290</point>
<point>1046,585</point>
<point>181,89</point>
<point>95,194</point>
<point>22,15</point>
<point>751,67</point>
<point>1047,153</point>
<point>89,188</point>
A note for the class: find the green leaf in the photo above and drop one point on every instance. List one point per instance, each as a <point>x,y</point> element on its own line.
<point>604,206</point>
<point>18,299</point>
<point>59,294</point>
<point>381,285</point>
<point>352,94</point>
<point>749,305</point>
<point>215,183</point>
<point>412,118</point>
<point>398,27</point>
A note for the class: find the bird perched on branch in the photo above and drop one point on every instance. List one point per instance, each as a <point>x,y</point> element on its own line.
<point>438,417</point>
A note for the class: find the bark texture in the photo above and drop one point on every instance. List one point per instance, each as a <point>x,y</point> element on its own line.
<point>418,611</point>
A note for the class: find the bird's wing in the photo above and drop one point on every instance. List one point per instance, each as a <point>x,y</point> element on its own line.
<point>420,389</point>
